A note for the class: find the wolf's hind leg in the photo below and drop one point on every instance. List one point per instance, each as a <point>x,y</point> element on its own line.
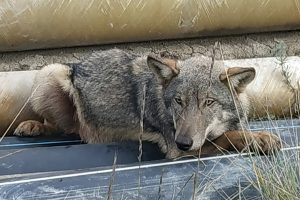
<point>51,100</point>
<point>34,128</point>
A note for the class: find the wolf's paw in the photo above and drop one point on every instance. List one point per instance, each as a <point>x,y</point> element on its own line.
<point>30,128</point>
<point>264,142</point>
<point>173,153</point>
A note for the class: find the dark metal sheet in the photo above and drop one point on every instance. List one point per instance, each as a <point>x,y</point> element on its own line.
<point>84,171</point>
<point>223,177</point>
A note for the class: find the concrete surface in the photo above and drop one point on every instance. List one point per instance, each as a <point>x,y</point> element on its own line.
<point>234,47</point>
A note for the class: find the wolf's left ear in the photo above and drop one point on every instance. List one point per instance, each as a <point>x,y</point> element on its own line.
<point>165,69</point>
<point>239,77</point>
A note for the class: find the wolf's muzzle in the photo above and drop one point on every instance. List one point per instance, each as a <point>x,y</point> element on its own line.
<point>184,143</point>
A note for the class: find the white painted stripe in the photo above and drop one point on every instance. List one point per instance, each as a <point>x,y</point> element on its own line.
<point>273,128</point>
<point>129,168</point>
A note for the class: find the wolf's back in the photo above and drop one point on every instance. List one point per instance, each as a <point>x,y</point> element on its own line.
<point>105,88</point>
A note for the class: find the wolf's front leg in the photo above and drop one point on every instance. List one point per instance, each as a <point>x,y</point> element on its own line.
<point>172,151</point>
<point>171,147</point>
<point>34,128</point>
<point>260,142</point>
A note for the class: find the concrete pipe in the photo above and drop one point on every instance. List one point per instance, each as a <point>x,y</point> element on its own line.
<point>15,90</point>
<point>275,90</point>
<point>39,24</point>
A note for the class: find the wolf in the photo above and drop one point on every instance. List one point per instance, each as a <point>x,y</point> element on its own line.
<point>114,95</point>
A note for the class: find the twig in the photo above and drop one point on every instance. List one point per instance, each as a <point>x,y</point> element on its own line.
<point>112,178</point>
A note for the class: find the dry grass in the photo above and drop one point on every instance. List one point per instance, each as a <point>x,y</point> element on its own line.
<point>279,179</point>
<point>112,178</point>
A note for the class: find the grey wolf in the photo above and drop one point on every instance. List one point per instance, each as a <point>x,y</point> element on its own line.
<point>114,95</point>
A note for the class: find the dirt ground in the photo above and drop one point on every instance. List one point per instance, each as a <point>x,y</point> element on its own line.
<point>242,46</point>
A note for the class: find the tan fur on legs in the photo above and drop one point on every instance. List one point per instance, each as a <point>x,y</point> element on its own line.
<point>262,142</point>
<point>52,98</point>
<point>239,140</point>
<point>34,128</point>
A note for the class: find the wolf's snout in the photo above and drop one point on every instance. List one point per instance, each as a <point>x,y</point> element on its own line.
<point>184,143</point>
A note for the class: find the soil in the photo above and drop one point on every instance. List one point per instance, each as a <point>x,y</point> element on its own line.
<point>233,47</point>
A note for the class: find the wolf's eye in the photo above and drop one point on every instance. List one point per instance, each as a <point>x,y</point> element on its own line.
<point>178,100</point>
<point>209,102</point>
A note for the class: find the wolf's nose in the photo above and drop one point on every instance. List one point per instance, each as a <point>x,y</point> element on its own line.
<point>184,143</point>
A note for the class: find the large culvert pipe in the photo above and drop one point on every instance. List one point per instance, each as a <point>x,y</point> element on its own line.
<point>15,90</point>
<point>36,24</point>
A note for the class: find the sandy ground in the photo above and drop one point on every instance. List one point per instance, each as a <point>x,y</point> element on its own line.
<point>242,46</point>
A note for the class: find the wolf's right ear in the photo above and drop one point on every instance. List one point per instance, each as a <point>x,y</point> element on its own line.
<point>165,69</point>
<point>237,77</point>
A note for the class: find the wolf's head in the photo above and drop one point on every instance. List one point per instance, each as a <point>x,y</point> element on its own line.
<point>204,101</point>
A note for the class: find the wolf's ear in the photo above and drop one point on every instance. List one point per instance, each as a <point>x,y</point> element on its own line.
<point>239,77</point>
<point>164,68</point>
